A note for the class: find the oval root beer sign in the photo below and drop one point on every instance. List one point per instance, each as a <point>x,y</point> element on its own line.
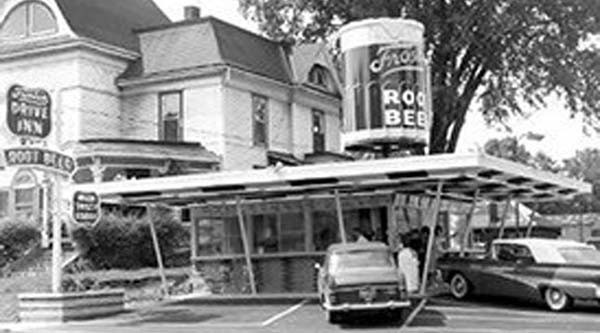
<point>28,111</point>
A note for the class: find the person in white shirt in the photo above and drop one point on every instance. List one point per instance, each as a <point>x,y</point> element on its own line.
<point>408,264</point>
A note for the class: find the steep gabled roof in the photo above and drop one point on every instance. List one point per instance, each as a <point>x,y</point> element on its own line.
<point>208,42</point>
<point>249,51</point>
<point>111,21</point>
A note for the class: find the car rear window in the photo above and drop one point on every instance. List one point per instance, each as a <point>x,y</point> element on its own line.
<point>361,258</point>
<point>585,255</point>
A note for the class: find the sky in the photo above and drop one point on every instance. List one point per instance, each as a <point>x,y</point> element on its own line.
<point>562,135</point>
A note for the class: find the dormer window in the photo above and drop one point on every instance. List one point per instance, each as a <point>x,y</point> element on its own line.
<point>29,19</point>
<point>319,76</point>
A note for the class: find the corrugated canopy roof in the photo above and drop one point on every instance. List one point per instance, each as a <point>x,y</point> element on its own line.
<point>462,176</point>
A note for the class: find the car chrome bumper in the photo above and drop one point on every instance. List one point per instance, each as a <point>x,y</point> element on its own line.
<point>367,306</point>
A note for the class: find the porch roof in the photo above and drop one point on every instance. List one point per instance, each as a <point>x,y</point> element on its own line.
<point>463,177</point>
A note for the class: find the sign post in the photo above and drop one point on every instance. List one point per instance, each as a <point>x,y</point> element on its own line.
<point>29,118</point>
<point>57,240</point>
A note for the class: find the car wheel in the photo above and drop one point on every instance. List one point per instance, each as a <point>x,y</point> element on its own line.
<point>459,286</point>
<point>398,315</point>
<point>333,317</point>
<point>556,299</point>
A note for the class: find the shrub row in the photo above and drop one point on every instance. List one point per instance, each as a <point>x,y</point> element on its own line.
<point>123,239</point>
<point>16,236</point>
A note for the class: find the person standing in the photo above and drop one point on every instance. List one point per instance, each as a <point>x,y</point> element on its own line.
<point>408,264</point>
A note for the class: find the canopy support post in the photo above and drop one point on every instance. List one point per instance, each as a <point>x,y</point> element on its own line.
<point>393,227</point>
<point>469,218</point>
<point>517,219</point>
<point>430,223</point>
<point>159,259</point>
<point>193,234</point>
<point>581,232</point>
<point>503,221</point>
<point>530,223</point>
<point>240,215</point>
<point>432,220</point>
<point>340,216</point>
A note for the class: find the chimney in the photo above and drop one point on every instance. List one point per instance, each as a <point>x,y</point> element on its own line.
<point>191,13</point>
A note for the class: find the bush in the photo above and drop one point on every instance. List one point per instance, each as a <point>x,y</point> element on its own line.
<point>123,240</point>
<point>16,236</point>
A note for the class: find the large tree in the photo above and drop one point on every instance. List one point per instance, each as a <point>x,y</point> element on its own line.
<point>506,51</point>
<point>509,148</point>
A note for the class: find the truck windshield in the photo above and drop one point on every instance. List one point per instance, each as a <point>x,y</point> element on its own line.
<point>361,259</point>
<point>586,255</point>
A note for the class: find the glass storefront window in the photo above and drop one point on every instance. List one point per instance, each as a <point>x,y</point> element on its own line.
<point>219,236</point>
<point>292,232</point>
<point>325,229</point>
<point>266,233</point>
<point>233,239</point>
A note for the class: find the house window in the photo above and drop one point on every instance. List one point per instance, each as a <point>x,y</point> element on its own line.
<point>28,19</point>
<point>3,204</point>
<point>318,130</point>
<point>24,203</point>
<point>260,116</point>
<point>24,186</point>
<point>171,116</point>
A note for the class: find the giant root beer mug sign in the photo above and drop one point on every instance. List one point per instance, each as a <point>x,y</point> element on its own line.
<point>386,99</point>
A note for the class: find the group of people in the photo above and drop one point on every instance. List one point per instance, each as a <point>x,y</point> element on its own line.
<point>411,255</point>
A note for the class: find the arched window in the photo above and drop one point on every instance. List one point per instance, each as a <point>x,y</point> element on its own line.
<point>25,188</point>
<point>28,19</point>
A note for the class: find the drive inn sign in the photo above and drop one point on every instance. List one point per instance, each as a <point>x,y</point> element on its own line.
<point>28,112</point>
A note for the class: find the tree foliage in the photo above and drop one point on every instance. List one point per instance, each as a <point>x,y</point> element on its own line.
<point>505,51</point>
<point>509,148</point>
<point>584,166</point>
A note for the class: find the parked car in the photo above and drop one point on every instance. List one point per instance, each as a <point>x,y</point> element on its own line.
<point>594,241</point>
<point>360,276</point>
<point>552,271</point>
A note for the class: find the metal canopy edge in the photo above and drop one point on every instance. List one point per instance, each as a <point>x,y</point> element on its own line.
<point>463,176</point>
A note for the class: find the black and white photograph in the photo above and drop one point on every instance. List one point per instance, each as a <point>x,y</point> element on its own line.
<point>294,166</point>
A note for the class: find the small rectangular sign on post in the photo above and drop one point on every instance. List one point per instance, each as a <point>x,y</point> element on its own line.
<point>86,208</point>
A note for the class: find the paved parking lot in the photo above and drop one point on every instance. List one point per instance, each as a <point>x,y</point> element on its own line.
<point>442,315</point>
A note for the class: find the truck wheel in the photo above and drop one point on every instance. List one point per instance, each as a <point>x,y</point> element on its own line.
<point>459,286</point>
<point>556,299</point>
<point>333,317</point>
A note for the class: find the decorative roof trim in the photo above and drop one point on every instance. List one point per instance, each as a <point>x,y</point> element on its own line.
<point>161,77</point>
<point>71,44</point>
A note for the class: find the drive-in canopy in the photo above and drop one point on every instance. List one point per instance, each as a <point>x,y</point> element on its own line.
<point>469,178</point>
<point>462,177</point>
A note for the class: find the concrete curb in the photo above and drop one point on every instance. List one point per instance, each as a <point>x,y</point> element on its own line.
<point>244,299</point>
